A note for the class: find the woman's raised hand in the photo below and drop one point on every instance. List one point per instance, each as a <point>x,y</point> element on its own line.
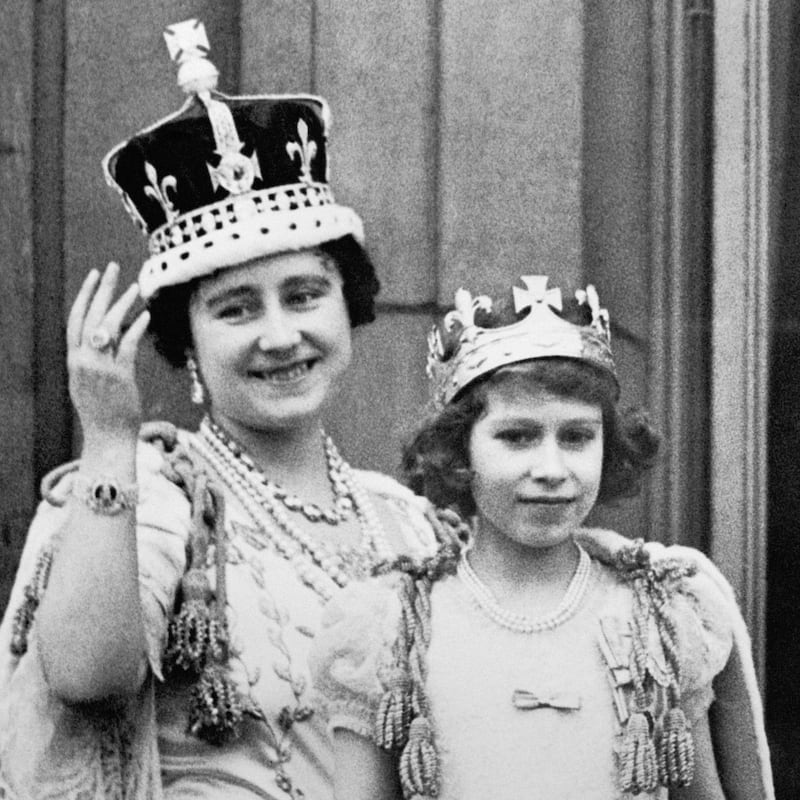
<point>101,357</point>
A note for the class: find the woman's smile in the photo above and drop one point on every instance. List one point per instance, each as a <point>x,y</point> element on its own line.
<point>286,373</point>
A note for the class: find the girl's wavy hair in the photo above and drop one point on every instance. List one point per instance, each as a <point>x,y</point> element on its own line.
<point>169,309</point>
<point>436,460</point>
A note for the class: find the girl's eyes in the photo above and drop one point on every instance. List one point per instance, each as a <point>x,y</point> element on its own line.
<point>577,437</point>
<point>518,437</point>
<point>573,438</point>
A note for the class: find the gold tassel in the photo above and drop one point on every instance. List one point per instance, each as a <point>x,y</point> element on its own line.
<point>216,710</point>
<point>676,750</point>
<point>639,772</point>
<point>419,762</point>
<point>394,714</point>
<point>196,634</point>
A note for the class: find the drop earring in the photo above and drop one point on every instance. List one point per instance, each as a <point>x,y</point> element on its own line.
<point>198,392</point>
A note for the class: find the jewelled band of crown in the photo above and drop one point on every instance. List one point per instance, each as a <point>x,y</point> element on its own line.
<point>460,350</point>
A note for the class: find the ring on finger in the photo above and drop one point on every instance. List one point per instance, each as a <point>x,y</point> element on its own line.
<point>100,338</point>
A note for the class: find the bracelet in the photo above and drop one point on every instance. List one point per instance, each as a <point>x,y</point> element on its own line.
<point>105,495</point>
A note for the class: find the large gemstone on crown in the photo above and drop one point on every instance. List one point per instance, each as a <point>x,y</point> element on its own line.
<point>235,173</point>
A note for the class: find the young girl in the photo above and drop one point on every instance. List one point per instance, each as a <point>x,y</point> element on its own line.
<point>532,657</point>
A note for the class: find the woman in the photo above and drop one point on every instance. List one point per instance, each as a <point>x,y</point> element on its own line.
<point>535,657</point>
<point>177,582</point>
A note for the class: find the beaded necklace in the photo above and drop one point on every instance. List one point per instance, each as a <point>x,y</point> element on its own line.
<point>343,500</point>
<point>321,566</point>
<point>519,623</point>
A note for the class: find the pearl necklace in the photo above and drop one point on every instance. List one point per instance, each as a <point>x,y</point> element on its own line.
<point>519,623</point>
<point>343,500</point>
<point>322,567</point>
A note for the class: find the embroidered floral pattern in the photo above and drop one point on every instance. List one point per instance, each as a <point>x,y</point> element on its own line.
<point>280,730</point>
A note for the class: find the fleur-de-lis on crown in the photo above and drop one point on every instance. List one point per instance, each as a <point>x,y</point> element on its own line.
<point>306,151</point>
<point>465,307</point>
<point>435,349</point>
<point>536,291</point>
<point>159,191</point>
<point>601,321</point>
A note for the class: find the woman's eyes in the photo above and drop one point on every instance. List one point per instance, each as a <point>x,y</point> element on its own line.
<point>244,308</point>
<point>236,310</point>
<point>305,296</point>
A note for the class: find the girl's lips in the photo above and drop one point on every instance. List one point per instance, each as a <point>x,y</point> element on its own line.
<point>547,501</point>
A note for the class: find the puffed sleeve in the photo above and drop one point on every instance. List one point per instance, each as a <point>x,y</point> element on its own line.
<point>352,651</point>
<point>704,620</point>
<point>163,522</point>
<point>736,716</point>
<point>410,532</point>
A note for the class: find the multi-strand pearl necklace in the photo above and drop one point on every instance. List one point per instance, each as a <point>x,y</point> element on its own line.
<point>343,501</point>
<point>519,623</point>
<point>319,565</point>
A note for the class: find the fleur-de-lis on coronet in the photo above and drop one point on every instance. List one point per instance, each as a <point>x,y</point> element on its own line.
<point>536,291</point>
<point>306,150</point>
<point>601,321</point>
<point>159,191</point>
<point>464,312</point>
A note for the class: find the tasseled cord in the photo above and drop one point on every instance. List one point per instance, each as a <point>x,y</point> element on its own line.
<point>676,754</point>
<point>403,724</point>
<point>198,639</point>
<point>671,763</point>
<point>638,764</point>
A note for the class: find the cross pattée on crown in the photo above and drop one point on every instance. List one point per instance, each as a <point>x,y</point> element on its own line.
<point>536,295</point>
<point>186,40</point>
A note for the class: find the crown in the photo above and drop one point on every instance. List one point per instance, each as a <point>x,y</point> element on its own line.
<point>460,350</point>
<point>226,179</point>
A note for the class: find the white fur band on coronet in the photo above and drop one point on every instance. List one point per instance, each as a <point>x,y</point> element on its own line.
<point>250,238</point>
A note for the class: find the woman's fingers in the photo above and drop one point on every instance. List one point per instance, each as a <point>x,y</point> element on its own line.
<point>98,307</point>
<point>91,321</point>
<point>78,310</point>
<point>116,314</point>
<point>129,343</point>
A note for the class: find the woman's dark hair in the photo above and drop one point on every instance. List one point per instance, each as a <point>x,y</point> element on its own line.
<point>436,460</point>
<point>169,309</point>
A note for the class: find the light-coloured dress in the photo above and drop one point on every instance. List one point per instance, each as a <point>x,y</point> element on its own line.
<point>533,714</point>
<point>48,749</point>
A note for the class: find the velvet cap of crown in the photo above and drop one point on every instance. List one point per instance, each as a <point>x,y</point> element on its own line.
<point>226,179</point>
<point>460,350</point>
